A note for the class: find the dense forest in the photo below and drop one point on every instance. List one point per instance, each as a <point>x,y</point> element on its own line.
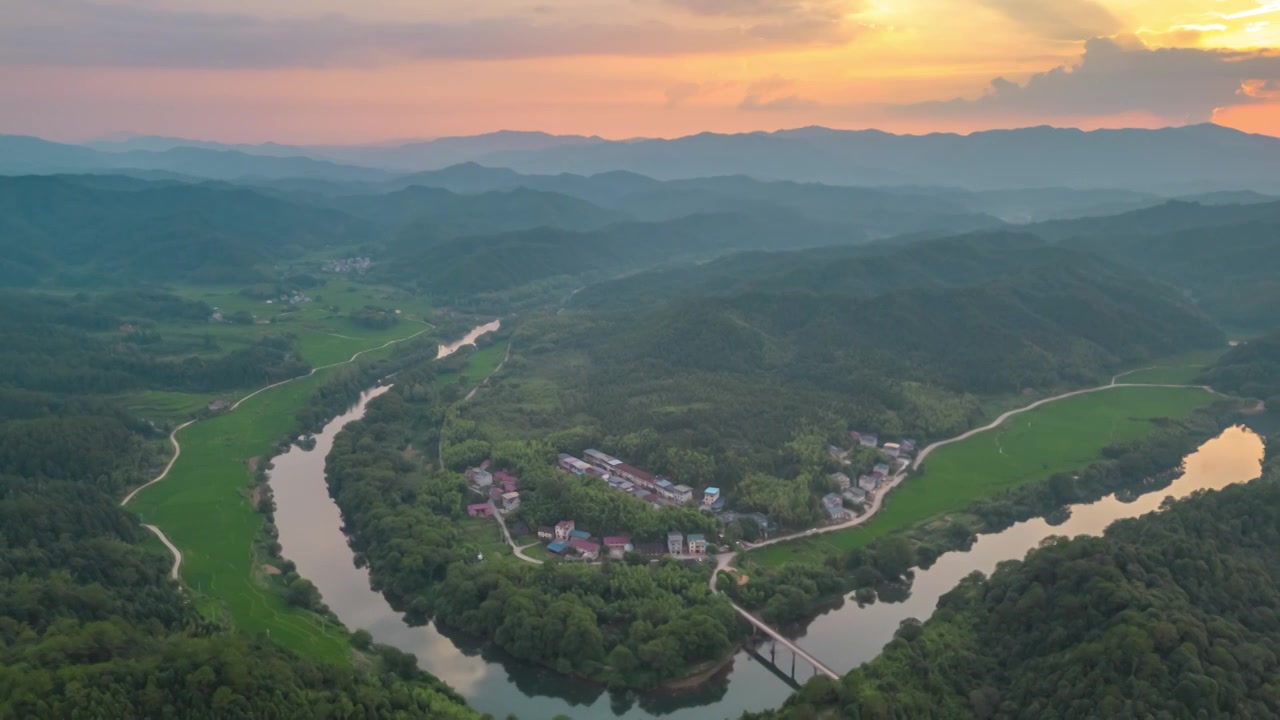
<point>626,625</point>
<point>1224,256</point>
<point>468,266</point>
<point>72,230</point>
<point>1168,615</point>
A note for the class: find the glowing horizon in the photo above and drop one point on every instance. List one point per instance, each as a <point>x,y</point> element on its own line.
<point>322,72</point>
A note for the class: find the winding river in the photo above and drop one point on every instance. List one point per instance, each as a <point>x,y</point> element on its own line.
<point>311,535</point>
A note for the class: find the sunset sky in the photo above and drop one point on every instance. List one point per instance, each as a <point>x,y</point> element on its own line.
<point>334,71</point>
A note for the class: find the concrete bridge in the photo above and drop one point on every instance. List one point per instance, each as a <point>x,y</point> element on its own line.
<point>723,561</point>
<point>778,638</point>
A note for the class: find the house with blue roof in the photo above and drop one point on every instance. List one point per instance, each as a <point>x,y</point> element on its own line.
<point>710,496</point>
<point>697,544</point>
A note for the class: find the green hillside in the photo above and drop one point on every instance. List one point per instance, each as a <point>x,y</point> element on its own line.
<point>64,230</point>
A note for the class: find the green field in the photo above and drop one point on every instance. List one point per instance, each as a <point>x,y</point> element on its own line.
<point>539,552</point>
<point>1178,370</point>
<point>205,508</point>
<point>484,534</point>
<point>480,365</point>
<point>326,334</point>
<point>1061,436</point>
<point>173,407</point>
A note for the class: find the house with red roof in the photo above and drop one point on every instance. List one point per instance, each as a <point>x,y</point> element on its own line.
<point>586,548</point>
<point>618,545</point>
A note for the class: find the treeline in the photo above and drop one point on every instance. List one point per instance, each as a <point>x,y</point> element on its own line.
<point>629,626</point>
<point>375,318</point>
<point>794,592</point>
<point>1168,615</point>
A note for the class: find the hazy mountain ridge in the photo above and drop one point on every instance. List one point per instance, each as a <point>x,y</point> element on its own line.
<point>1171,161</point>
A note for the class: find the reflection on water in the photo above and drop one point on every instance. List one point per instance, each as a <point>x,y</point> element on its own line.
<point>852,635</point>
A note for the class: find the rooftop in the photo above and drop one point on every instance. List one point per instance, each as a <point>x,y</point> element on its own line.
<point>584,544</point>
<point>633,471</point>
<point>695,537</point>
<point>713,491</point>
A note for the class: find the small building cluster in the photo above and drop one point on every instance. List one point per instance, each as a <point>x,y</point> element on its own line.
<point>565,540</point>
<point>502,487</point>
<point>629,479</point>
<point>694,544</point>
<point>358,265</point>
<point>897,459</point>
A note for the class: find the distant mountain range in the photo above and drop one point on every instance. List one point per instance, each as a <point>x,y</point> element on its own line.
<point>1170,162</point>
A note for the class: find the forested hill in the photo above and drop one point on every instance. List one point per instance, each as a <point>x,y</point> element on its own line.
<point>434,212</point>
<point>859,271</point>
<point>59,229</point>
<point>473,265</point>
<point>1172,216</point>
<point>1169,615</point>
<point>877,211</point>
<point>972,314</point>
<point>1251,369</point>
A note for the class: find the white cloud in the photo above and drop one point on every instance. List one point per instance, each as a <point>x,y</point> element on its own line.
<point>1121,75</point>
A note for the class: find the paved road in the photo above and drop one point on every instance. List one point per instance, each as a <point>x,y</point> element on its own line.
<point>506,534</point>
<point>177,447</point>
<point>879,499</point>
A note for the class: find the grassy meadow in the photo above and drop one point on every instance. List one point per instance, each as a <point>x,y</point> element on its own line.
<point>480,365</point>
<point>1057,437</point>
<point>205,504</point>
<point>1177,370</point>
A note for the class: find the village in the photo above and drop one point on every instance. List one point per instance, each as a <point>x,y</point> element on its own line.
<point>852,497</point>
<point>566,541</point>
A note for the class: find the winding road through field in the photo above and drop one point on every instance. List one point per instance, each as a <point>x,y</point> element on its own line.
<point>880,497</point>
<point>175,570</point>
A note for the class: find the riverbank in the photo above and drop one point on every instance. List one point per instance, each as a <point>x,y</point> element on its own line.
<point>202,502</point>
<point>1059,435</point>
<point>1134,470</point>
